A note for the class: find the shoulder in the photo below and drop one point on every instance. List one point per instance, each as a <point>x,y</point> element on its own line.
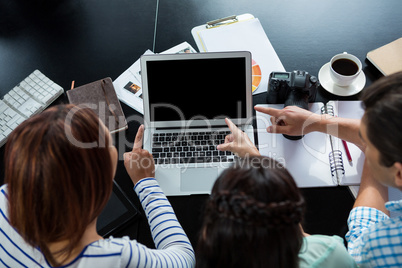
<point>368,224</point>
<point>324,251</point>
<point>110,252</point>
<point>322,243</point>
<point>381,244</point>
<point>361,221</point>
<point>373,237</point>
<point>387,233</point>
<point>14,250</point>
<point>366,215</point>
<point>3,200</point>
<point>111,243</point>
<point>3,190</point>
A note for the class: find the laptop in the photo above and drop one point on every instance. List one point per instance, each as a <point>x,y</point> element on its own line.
<point>186,100</point>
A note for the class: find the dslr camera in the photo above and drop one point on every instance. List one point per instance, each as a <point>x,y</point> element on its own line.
<point>296,88</point>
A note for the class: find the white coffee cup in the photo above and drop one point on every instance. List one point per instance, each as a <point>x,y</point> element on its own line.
<point>344,69</point>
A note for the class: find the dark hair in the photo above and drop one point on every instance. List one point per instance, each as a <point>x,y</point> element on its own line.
<point>383,117</point>
<point>252,218</point>
<point>56,188</point>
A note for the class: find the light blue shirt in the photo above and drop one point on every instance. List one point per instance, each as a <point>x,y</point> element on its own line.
<point>374,239</point>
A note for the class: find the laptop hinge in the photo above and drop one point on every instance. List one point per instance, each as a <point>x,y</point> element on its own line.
<point>191,127</point>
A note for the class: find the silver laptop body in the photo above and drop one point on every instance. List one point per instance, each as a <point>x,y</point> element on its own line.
<point>186,100</point>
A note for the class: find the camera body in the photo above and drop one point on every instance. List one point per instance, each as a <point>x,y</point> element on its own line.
<point>296,88</point>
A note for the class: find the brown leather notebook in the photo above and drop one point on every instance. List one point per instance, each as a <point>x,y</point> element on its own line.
<point>101,97</point>
<point>388,58</point>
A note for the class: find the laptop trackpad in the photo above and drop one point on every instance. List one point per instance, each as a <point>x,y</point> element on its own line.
<point>197,179</point>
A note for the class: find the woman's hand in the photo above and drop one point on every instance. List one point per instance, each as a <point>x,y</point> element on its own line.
<point>139,163</point>
<point>238,142</point>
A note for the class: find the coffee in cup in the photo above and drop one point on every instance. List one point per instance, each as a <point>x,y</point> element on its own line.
<point>344,69</point>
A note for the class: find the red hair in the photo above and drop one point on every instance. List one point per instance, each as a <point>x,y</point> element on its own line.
<point>56,188</point>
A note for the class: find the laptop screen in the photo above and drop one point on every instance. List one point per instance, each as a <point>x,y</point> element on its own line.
<point>188,88</point>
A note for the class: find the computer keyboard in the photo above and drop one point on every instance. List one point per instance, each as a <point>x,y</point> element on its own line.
<point>31,96</point>
<point>189,147</point>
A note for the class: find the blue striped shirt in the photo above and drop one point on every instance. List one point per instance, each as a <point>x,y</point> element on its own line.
<point>173,248</point>
<point>374,239</point>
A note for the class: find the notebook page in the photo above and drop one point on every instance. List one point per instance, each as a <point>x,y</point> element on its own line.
<point>353,170</point>
<point>306,159</point>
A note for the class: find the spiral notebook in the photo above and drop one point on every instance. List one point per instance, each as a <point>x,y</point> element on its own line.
<point>318,159</point>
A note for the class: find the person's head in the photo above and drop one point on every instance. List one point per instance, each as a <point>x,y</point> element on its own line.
<point>56,187</point>
<point>252,218</point>
<point>381,129</point>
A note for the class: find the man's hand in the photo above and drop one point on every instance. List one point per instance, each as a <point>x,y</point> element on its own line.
<point>238,142</point>
<point>291,120</point>
<point>139,163</point>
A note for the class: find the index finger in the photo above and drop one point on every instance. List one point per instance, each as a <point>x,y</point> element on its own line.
<point>138,138</point>
<point>230,124</point>
<point>267,110</point>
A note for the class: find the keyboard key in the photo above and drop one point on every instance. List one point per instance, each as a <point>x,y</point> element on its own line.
<point>216,159</point>
<point>157,144</point>
<point>6,131</point>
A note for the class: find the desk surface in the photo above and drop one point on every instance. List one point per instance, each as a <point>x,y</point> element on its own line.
<point>89,40</point>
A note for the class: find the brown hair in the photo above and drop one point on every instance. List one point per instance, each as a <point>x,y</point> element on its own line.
<point>383,117</point>
<point>252,218</point>
<point>56,188</point>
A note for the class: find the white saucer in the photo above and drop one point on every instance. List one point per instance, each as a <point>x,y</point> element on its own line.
<point>326,82</point>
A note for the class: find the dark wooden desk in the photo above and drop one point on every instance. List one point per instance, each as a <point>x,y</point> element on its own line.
<point>89,40</point>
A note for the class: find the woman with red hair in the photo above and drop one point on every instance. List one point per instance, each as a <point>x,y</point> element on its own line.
<point>59,169</point>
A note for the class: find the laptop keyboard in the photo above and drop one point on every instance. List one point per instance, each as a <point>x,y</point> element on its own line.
<point>189,147</point>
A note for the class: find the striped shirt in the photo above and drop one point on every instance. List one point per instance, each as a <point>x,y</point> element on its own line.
<point>374,239</point>
<point>173,248</point>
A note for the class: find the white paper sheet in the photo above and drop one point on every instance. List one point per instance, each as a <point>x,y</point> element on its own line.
<point>128,86</point>
<point>307,159</point>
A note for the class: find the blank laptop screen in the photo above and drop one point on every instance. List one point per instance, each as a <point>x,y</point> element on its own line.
<point>190,89</point>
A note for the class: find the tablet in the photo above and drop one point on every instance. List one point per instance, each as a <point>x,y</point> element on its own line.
<point>118,211</point>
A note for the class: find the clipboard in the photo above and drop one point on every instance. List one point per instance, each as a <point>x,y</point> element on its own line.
<point>241,33</point>
<point>213,24</point>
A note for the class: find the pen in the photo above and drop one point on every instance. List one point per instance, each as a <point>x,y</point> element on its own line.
<point>347,151</point>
